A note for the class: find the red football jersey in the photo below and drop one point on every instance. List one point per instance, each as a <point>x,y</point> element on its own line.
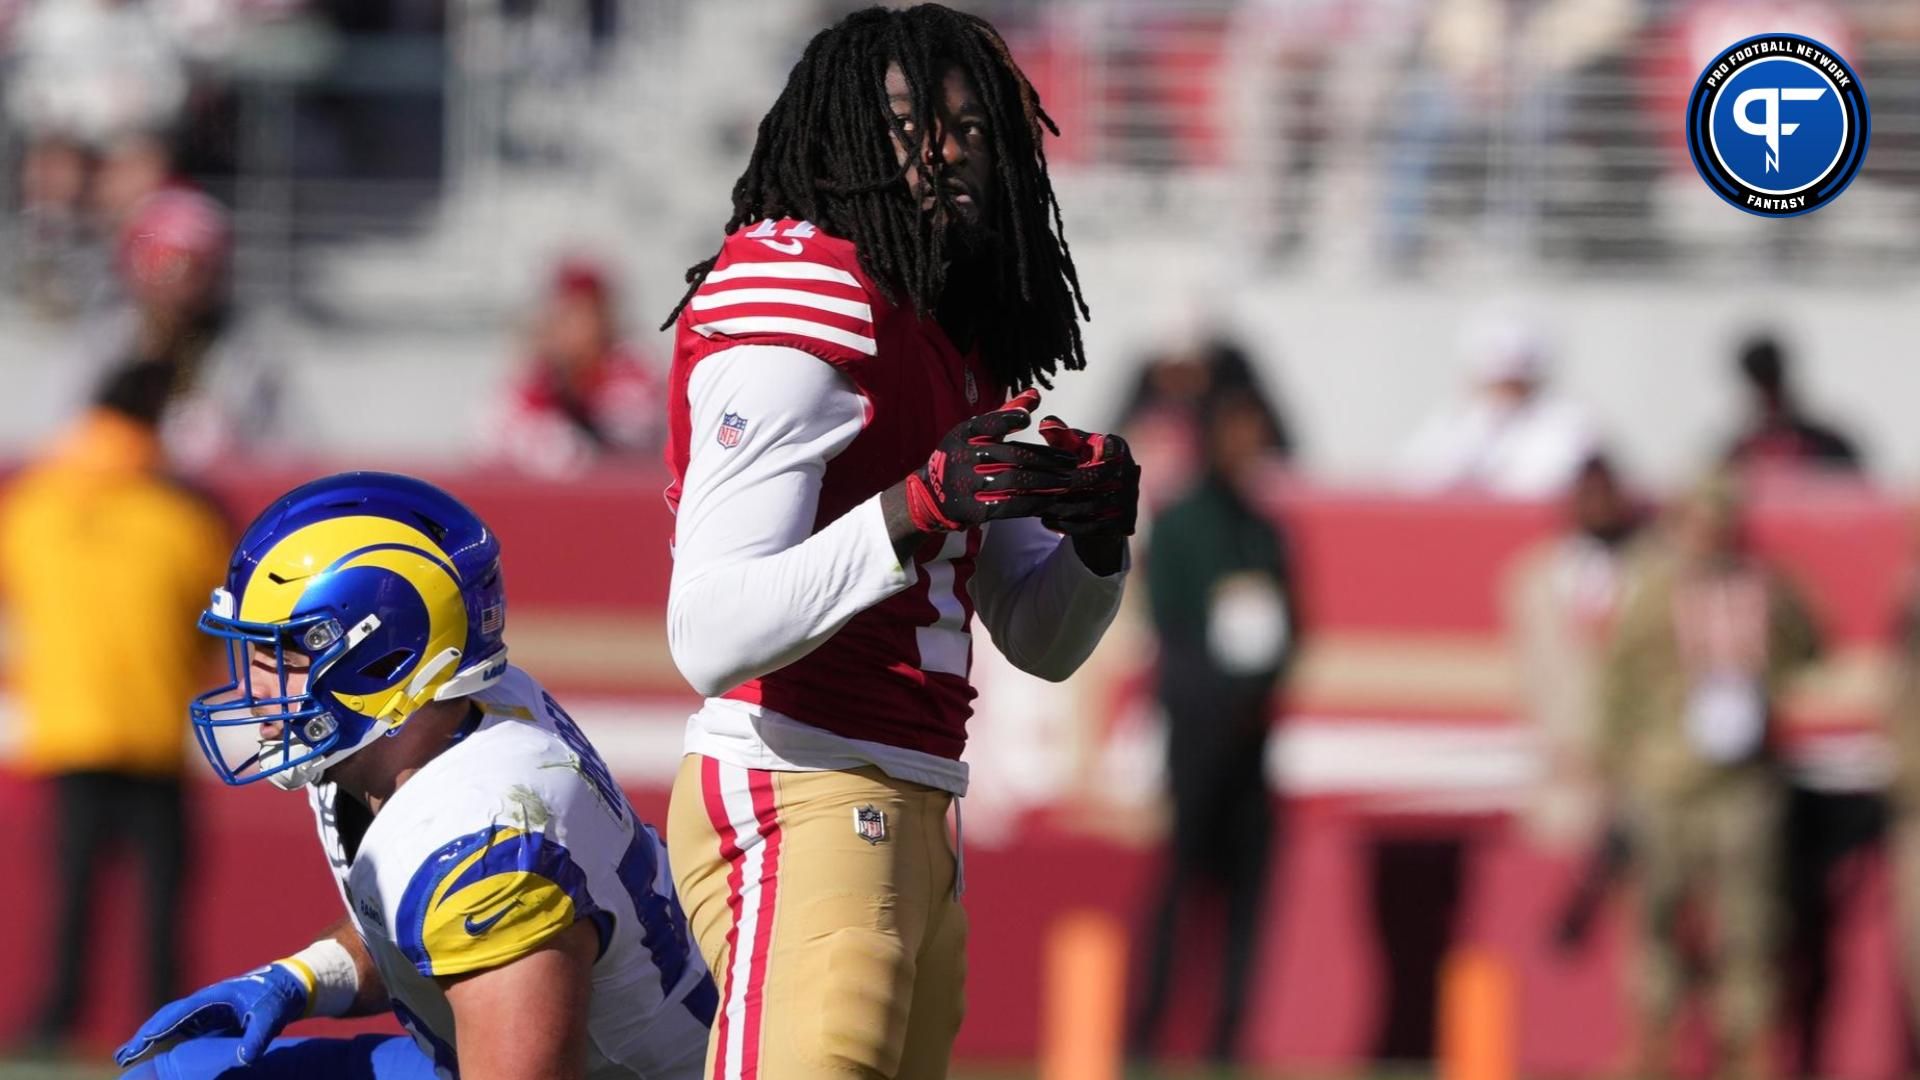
<point>897,672</point>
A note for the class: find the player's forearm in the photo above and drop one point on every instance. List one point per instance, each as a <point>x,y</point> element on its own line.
<point>343,986</point>
<point>731,621</point>
<point>371,998</point>
<point>1049,620</point>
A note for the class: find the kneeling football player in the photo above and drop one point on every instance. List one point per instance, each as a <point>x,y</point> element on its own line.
<point>502,898</point>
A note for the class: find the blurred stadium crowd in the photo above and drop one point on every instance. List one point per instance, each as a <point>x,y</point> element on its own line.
<point>232,223</point>
<point>394,181</point>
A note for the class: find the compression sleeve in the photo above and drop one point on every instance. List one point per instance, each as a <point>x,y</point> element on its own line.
<point>752,591</point>
<point>1043,608</point>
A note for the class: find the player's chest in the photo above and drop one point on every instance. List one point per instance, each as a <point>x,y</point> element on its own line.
<point>350,843</point>
<point>921,388</point>
<point>360,890</point>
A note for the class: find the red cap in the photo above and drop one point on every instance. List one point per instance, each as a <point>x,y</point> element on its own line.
<point>582,277</point>
<point>169,225</point>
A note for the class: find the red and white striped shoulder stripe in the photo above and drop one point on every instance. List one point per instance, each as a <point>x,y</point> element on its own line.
<point>760,293</point>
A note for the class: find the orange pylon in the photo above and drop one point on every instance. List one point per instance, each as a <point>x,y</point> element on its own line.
<point>1084,997</point>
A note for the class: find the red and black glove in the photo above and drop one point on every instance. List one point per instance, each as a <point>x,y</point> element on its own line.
<point>1103,496</point>
<point>974,476</point>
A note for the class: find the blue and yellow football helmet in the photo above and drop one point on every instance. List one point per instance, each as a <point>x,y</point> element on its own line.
<point>391,591</point>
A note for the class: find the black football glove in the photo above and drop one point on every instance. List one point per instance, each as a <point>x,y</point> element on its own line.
<point>974,476</point>
<point>1103,496</point>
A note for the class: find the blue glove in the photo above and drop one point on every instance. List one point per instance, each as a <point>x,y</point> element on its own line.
<point>254,1006</point>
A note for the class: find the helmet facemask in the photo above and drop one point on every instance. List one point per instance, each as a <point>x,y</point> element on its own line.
<point>318,728</point>
<point>228,720</point>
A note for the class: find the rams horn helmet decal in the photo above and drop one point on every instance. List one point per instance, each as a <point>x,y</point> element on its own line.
<point>349,604</point>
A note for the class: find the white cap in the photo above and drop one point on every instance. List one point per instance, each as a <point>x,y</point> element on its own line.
<point>1505,348</point>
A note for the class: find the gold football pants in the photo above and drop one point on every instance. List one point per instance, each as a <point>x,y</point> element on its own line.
<point>824,903</point>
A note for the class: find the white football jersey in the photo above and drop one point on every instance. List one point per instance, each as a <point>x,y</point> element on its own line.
<point>509,837</point>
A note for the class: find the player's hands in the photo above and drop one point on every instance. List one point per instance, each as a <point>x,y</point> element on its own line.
<point>975,476</point>
<point>1103,495</point>
<point>254,1006</point>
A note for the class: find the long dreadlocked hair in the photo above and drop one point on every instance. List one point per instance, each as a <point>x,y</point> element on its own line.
<point>824,154</point>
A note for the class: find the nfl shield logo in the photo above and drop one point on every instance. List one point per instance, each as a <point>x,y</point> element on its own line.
<point>870,824</point>
<point>973,390</point>
<point>732,427</point>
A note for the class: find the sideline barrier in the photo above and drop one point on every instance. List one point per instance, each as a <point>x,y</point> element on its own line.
<point>1405,661</point>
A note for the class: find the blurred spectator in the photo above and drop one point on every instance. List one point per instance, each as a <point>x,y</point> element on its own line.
<point>173,263</point>
<point>1776,432</point>
<point>583,395</point>
<point>53,179</point>
<point>1221,588</point>
<point>1509,437</point>
<point>133,168</point>
<point>1303,101</point>
<point>1487,65</point>
<point>1562,597</point>
<point>105,564</point>
<point>91,70</point>
<point>1161,416</point>
<point>1826,823</point>
<point>1903,731</point>
<point>1832,818</point>
<point>1707,636</point>
<point>83,73</point>
<point>116,180</point>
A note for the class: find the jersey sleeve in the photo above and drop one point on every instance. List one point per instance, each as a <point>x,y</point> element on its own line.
<point>786,283</point>
<point>491,897</point>
<point>754,586</point>
<point>1041,605</point>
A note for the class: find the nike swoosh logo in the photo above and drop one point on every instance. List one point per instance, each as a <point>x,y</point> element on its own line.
<point>475,929</point>
<point>791,247</point>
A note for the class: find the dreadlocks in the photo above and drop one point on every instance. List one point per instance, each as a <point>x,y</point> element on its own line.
<point>824,154</point>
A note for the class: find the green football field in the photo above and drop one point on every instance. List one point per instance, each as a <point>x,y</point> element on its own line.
<point>38,1071</point>
<point>15,1070</point>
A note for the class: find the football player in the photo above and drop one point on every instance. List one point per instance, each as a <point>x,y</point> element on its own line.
<point>847,371</point>
<point>502,898</point>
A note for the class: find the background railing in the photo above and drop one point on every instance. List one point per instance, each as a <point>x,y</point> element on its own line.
<point>399,192</point>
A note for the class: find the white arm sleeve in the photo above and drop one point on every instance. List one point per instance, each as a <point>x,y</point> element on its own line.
<point>1041,605</point>
<point>752,591</point>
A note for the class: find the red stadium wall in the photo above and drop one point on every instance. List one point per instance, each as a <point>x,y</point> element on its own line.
<point>1402,602</point>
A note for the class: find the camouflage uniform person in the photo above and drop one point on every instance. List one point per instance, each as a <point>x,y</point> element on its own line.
<point>1707,637</point>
